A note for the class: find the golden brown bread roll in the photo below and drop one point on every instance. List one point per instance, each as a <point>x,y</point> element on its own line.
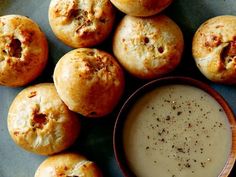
<point>214,49</point>
<point>40,122</point>
<point>141,8</point>
<point>148,47</point>
<point>23,50</point>
<point>80,23</point>
<point>89,81</point>
<point>68,165</point>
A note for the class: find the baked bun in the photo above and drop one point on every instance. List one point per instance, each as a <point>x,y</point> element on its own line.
<point>40,122</point>
<point>214,49</point>
<point>23,50</point>
<point>141,8</point>
<point>89,81</point>
<point>67,164</point>
<point>148,47</point>
<point>80,23</point>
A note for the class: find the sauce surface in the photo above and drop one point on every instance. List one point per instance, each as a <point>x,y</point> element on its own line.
<point>177,131</point>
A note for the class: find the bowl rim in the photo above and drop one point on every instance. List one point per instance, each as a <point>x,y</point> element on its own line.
<point>171,80</point>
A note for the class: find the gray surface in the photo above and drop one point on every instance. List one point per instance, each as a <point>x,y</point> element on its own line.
<point>96,138</point>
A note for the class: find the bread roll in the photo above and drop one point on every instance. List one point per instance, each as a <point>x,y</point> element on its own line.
<point>23,50</point>
<point>89,81</point>
<point>39,122</point>
<point>148,47</point>
<point>214,49</point>
<point>141,8</point>
<point>68,165</point>
<point>80,23</point>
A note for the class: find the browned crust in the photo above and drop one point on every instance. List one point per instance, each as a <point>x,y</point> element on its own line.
<point>80,25</point>
<point>23,50</point>
<point>214,49</point>
<point>141,8</point>
<point>68,164</point>
<point>148,47</point>
<point>89,81</point>
<point>39,122</point>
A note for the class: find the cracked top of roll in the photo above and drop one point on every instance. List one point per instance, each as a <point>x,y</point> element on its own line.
<point>39,122</point>
<point>23,50</point>
<point>80,23</point>
<point>89,81</point>
<point>214,49</point>
<point>148,47</point>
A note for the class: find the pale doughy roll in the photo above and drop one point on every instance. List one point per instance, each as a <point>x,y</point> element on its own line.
<point>89,81</point>
<point>141,8</point>
<point>68,165</point>
<point>39,122</point>
<point>148,47</point>
<point>80,23</point>
<point>214,49</point>
<point>23,50</point>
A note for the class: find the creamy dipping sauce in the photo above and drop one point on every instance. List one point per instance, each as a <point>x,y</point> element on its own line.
<point>177,131</point>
